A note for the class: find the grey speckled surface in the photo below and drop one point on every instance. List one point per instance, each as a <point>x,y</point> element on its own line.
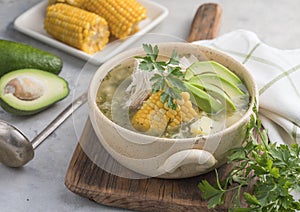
<point>39,186</point>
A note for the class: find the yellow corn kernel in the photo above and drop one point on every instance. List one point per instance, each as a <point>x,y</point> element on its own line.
<point>75,3</point>
<point>153,116</point>
<point>122,16</point>
<point>76,27</point>
<point>161,118</point>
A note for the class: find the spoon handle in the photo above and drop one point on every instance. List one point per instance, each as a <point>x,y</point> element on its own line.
<point>59,120</point>
<point>206,22</point>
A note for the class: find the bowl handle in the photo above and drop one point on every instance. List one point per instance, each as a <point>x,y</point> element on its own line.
<point>201,157</point>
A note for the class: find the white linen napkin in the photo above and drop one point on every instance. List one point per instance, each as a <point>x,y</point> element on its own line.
<point>277,74</point>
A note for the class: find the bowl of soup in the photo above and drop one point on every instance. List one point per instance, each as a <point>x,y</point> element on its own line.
<point>171,110</point>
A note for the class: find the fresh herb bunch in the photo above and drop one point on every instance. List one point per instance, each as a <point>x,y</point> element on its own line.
<point>274,168</point>
<point>168,78</point>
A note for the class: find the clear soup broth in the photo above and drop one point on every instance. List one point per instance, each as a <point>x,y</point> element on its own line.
<point>112,98</point>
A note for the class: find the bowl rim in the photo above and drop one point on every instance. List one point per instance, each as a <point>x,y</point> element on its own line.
<point>129,53</point>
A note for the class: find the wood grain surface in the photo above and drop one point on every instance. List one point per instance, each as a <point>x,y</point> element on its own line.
<point>88,180</point>
<point>86,175</point>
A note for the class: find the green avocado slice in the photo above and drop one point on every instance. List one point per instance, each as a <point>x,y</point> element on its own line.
<point>204,101</point>
<point>217,93</point>
<point>29,91</point>
<point>210,78</point>
<point>203,67</point>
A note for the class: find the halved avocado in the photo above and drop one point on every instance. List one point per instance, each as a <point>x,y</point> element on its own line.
<point>204,67</point>
<point>29,91</point>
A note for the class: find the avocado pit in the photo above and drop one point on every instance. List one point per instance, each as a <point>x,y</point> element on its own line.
<point>25,88</point>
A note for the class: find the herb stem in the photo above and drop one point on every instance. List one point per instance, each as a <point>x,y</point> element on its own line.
<point>218,180</point>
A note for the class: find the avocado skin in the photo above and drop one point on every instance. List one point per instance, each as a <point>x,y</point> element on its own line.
<point>8,108</point>
<point>14,56</point>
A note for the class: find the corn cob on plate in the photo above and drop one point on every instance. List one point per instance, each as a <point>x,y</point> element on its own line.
<point>76,27</point>
<point>122,16</point>
<point>31,23</point>
<point>76,3</point>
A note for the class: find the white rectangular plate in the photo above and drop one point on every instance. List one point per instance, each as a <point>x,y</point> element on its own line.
<point>31,23</point>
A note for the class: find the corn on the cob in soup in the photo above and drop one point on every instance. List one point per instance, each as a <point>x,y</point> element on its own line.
<point>154,117</point>
<point>76,27</point>
<point>122,16</point>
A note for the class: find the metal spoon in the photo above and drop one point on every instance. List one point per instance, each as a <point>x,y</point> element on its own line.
<point>15,148</point>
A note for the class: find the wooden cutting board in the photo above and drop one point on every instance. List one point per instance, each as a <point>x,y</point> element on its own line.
<point>89,180</point>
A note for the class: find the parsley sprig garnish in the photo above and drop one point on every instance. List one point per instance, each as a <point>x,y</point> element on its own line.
<point>275,169</point>
<point>168,78</point>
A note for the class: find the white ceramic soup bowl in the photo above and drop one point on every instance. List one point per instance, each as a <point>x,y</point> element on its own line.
<point>166,157</point>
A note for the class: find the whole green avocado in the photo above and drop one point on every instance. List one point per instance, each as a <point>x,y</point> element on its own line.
<point>14,56</point>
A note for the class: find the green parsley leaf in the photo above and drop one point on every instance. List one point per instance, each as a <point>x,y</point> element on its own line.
<point>215,196</point>
<point>169,75</point>
<point>174,60</point>
<point>251,199</point>
<point>275,169</point>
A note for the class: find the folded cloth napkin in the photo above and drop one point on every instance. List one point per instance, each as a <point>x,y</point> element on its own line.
<point>277,74</point>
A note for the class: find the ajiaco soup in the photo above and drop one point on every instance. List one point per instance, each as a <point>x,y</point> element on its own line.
<point>173,97</point>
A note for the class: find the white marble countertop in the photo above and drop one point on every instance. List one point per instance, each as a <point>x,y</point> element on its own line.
<point>39,186</point>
